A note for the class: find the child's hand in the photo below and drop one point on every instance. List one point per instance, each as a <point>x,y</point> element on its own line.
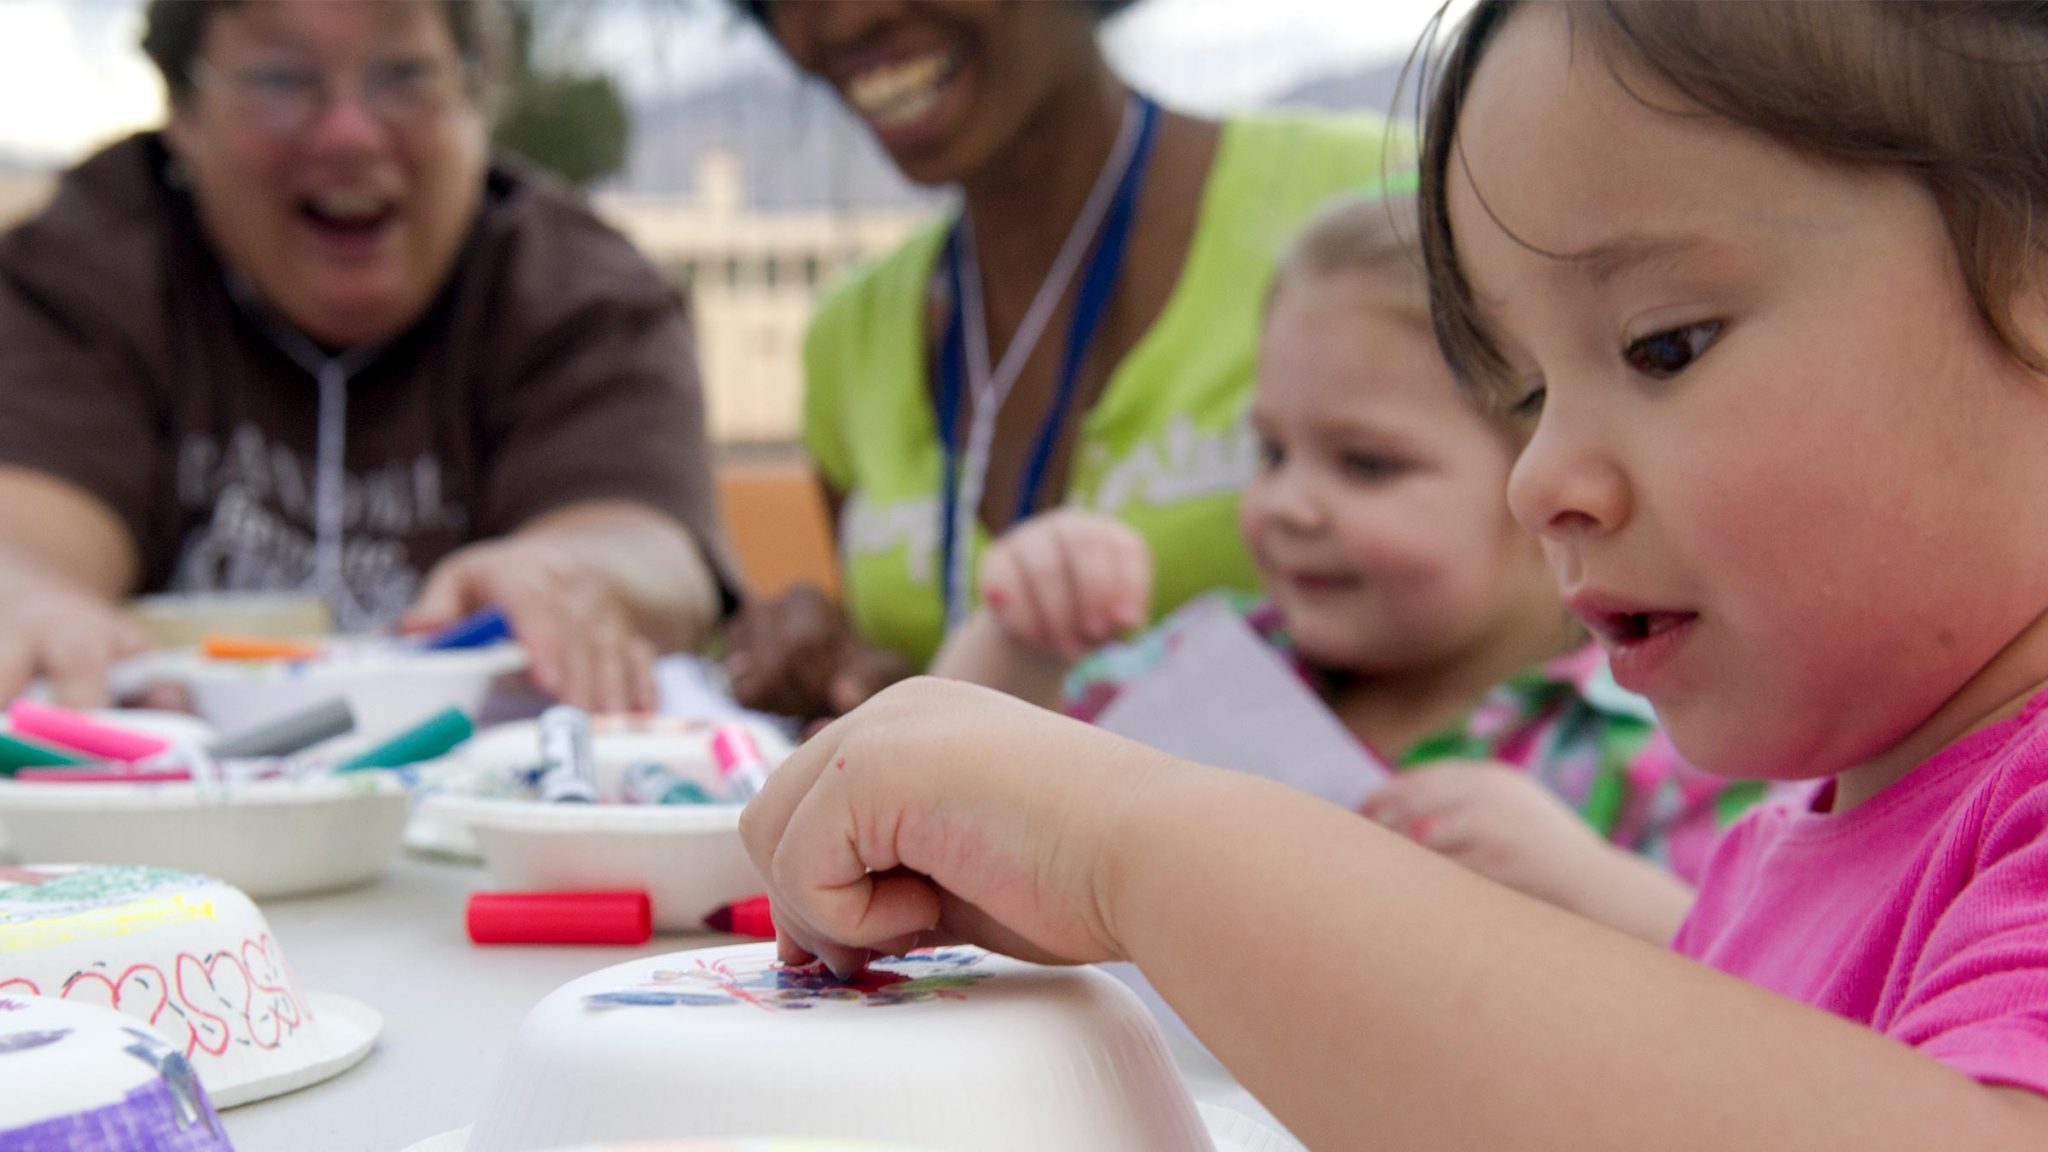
<point>1497,822</point>
<point>940,811</point>
<point>1068,581</point>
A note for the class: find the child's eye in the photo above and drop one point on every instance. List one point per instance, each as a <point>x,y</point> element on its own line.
<point>1662,355</point>
<point>1529,406</point>
<point>1371,465</point>
<point>1271,455</point>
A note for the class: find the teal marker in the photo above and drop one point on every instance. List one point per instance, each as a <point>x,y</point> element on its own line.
<point>17,753</point>
<point>435,736</point>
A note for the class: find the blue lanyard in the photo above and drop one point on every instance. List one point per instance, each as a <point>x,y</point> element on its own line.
<point>1098,283</point>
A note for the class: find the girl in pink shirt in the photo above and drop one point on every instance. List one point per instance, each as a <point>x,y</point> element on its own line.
<point>1768,285</point>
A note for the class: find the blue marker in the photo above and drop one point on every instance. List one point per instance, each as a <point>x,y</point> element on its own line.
<point>473,631</point>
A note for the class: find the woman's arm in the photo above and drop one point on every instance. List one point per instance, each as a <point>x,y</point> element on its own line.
<point>66,560</point>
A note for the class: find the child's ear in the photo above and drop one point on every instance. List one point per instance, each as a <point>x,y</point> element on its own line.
<point>2030,313</point>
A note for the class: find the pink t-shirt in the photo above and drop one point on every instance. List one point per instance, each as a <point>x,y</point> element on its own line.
<point>1922,914</point>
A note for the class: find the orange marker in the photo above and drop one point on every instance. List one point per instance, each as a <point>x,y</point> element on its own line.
<point>219,647</point>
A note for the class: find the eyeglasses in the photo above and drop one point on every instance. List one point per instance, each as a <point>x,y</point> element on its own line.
<point>287,99</point>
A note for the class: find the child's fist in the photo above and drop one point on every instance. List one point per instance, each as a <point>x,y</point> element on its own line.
<point>1497,822</point>
<point>1068,581</point>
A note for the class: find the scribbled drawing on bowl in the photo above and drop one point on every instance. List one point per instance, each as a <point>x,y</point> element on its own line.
<point>24,1041</point>
<point>924,975</point>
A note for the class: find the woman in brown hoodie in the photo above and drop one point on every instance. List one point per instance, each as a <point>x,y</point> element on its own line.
<point>310,337</point>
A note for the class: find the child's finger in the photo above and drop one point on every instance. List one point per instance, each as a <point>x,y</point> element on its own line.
<point>846,886</point>
<point>1449,833</point>
<point>1002,589</point>
<point>1047,588</point>
<point>1407,802</point>
<point>765,819</point>
<point>1099,587</point>
<point>1135,562</point>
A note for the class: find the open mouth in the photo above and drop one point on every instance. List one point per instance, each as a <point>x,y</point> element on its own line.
<point>1322,581</point>
<point>1622,628</point>
<point>902,92</point>
<point>348,215</point>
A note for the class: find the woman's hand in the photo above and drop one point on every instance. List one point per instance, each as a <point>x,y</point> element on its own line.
<point>580,634</point>
<point>67,635</point>
<point>1068,581</point>
<point>942,812</point>
<point>797,655</point>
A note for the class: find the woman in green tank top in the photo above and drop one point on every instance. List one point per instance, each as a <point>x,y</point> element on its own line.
<point>1080,330</point>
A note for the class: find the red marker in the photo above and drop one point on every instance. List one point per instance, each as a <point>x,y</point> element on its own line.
<point>749,917</point>
<point>598,917</point>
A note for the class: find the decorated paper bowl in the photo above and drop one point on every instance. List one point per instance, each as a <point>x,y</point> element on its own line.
<point>389,687</point>
<point>499,762</point>
<point>278,837</point>
<point>455,1140</point>
<point>186,956</point>
<point>689,860</point>
<point>79,1076</point>
<point>953,1049</point>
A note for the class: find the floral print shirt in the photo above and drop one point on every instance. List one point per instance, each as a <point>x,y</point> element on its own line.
<point>1590,742</point>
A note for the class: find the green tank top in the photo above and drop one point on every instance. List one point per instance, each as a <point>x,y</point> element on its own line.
<point>1166,448</point>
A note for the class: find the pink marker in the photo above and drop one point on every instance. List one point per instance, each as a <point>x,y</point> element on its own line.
<point>72,730</point>
<point>739,760</point>
<point>102,776</point>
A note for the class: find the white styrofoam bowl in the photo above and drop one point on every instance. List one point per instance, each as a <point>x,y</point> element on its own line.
<point>266,837</point>
<point>955,1049</point>
<point>388,687</point>
<point>687,858</point>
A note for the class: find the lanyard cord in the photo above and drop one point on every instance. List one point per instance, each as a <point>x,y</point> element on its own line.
<point>1106,214</point>
<point>330,498</point>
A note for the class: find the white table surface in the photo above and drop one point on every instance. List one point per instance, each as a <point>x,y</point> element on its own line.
<point>450,1008</point>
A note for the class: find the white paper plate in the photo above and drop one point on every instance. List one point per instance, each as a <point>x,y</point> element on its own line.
<point>687,858</point>
<point>488,766</point>
<point>348,1030</point>
<point>267,837</point>
<point>389,687</point>
<point>1230,1131</point>
<point>174,726</point>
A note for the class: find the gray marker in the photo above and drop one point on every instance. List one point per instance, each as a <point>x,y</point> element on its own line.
<point>282,737</point>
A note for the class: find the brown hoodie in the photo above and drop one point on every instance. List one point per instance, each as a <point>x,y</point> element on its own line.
<point>555,366</point>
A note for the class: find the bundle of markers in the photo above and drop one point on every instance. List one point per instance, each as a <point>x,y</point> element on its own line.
<point>50,745</point>
<point>567,773</point>
<point>54,745</point>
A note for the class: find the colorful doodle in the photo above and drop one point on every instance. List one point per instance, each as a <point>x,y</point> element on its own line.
<point>208,1003</point>
<point>921,976</point>
<point>104,884</point>
<point>23,1041</point>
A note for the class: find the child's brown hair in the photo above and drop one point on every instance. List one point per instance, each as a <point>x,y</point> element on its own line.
<point>1363,235</point>
<point>1954,92</point>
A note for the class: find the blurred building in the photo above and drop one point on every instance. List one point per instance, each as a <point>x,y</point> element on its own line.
<point>752,277</point>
